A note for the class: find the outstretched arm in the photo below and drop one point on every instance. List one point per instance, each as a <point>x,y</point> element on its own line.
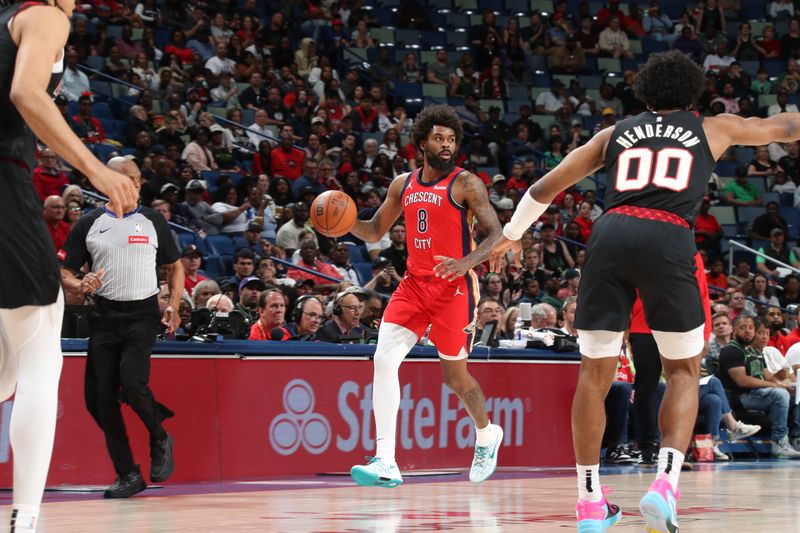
<point>372,230</point>
<point>723,131</point>
<point>581,162</point>
<point>477,200</point>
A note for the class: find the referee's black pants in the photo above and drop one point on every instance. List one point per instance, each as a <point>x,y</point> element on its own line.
<point>121,341</point>
<point>647,362</point>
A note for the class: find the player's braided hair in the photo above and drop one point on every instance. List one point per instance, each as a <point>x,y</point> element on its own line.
<point>435,115</point>
<point>669,80</point>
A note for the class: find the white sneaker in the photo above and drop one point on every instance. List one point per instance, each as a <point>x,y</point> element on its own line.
<point>377,473</point>
<point>743,431</point>
<point>796,443</point>
<point>784,450</point>
<point>484,461</point>
<point>719,455</point>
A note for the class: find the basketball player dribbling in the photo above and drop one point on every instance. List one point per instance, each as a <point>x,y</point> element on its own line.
<point>439,289</point>
<point>658,165</point>
<point>32,39</point>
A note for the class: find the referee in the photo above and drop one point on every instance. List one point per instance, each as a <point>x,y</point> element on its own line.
<point>123,257</point>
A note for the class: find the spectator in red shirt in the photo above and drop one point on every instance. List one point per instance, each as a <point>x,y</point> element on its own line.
<point>54,211</point>
<point>605,13</point>
<point>47,179</point>
<point>584,220</point>
<point>286,160</point>
<point>365,116</point>
<point>177,46</point>
<point>94,130</point>
<point>777,337</point>
<point>517,180</point>
<point>715,276</point>
<point>793,337</point>
<point>191,259</point>
<point>309,259</point>
<point>271,314</point>
<point>707,231</point>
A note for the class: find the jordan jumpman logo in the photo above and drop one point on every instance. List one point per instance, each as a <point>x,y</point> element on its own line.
<point>458,292</point>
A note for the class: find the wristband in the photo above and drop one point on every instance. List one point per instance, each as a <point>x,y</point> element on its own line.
<point>528,211</point>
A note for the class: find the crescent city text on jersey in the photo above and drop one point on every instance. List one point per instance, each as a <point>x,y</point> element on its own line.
<point>631,136</point>
<point>424,196</point>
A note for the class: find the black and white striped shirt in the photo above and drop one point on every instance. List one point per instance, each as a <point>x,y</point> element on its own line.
<point>129,249</point>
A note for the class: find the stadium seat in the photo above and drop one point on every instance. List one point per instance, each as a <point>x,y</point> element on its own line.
<point>95,62</point>
<point>358,253</point>
<point>726,168</point>
<point>787,199</point>
<point>102,110</point>
<point>364,272</point>
<point>220,245</point>
<point>433,40</point>
<point>747,215</point>
<point>771,197</point>
<point>383,36</point>
<point>725,214</point>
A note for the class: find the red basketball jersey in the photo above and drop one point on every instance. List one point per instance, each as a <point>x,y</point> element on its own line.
<point>435,223</point>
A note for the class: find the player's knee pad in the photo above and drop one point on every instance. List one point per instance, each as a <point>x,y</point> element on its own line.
<point>680,344</point>
<point>598,343</point>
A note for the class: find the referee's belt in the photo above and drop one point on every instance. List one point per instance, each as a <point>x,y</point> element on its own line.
<point>650,214</point>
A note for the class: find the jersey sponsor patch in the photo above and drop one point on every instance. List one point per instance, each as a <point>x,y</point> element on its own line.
<point>138,239</point>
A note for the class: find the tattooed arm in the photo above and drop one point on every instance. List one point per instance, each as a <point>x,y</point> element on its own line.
<point>476,199</point>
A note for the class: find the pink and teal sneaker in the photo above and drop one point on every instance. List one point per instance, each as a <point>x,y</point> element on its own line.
<point>597,517</point>
<point>659,507</point>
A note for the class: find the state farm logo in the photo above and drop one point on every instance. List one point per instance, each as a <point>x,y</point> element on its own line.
<point>299,425</point>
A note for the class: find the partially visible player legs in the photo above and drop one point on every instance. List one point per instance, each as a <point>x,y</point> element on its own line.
<point>681,362</point>
<point>647,362</point>
<point>394,343</point>
<point>31,360</point>
<point>593,512</point>
<point>488,437</point>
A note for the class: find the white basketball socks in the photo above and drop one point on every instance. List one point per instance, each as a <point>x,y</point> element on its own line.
<point>589,483</point>
<point>670,461</point>
<point>394,343</point>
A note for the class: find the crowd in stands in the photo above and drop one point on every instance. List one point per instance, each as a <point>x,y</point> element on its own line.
<point>239,113</point>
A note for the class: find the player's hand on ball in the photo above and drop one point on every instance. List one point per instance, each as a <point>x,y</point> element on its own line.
<point>449,268</point>
<point>499,250</point>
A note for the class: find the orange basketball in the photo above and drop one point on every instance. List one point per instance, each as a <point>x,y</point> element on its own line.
<point>333,213</point>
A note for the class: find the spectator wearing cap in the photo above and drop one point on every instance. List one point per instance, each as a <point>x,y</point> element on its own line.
<point>570,280</point>
<point>385,278</point>
<point>250,289</point>
<point>550,102</point>
<point>197,153</point>
<point>191,258</point>
<point>252,240</point>
<point>54,212</point>
<point>47,178</point>
<point>271,315</point>
<point>777,250</point>
<point>498,191</point>
<point>576,136</point>
<point>345,324</point>
<point>707,230</point>
<point>197,213</point>
<point>613,42</point>
<point>309,258</point>
<point>92,129</point>
<point>286,160</point>
<point>504,208</point>
<point>740,191</point>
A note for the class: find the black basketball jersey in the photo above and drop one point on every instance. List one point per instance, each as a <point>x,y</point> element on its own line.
<point>17,141</point>
<point>659,162</point>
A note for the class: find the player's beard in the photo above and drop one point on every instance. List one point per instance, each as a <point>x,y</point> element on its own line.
<point>433,159</point>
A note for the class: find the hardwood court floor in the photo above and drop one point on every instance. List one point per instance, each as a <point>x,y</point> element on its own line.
<point>745,496</point>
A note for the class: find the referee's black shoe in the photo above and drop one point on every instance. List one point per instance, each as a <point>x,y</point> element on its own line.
<point>126,485</point>
<point>162,462</point>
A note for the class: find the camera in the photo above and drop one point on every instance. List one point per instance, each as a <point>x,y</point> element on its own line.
<point>206,325</point>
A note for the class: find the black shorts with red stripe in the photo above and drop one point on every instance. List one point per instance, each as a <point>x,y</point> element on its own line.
<point>645,249</point>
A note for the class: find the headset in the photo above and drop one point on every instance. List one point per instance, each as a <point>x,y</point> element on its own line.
<point>300,304</point>
<point>337,302</point>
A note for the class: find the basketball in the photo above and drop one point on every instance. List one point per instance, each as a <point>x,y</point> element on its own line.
<point>333,213</point>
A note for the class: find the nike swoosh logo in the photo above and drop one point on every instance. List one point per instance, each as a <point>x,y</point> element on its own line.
<point>104,230</point>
